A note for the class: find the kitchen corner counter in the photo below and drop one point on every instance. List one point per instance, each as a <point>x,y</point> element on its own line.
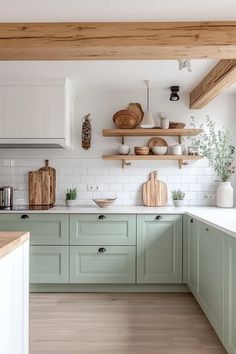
<point>11,240</point>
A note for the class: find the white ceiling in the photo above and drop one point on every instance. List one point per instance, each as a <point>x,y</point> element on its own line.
<point>116,10</point>
<point>109,75</point>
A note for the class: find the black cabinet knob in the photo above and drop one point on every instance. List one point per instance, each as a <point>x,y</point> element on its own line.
<point>24,216</point>
<point>101,217</point>
<point>102,250</point>
<point>191,221</point>
<point>207,229</point>
<point>158,217</point>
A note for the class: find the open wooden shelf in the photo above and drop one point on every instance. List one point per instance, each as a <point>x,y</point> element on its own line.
<point>180,158</point>
<point>150,132</point>
<point>180,133</point>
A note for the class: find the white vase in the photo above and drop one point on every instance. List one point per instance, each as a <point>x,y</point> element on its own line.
<point>71,203</point>
<point>179,203</point>
<point>225,195</point>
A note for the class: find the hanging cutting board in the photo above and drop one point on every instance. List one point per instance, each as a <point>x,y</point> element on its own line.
<point>39,188</point>
<point>52,174</point>
<point>154,191</point>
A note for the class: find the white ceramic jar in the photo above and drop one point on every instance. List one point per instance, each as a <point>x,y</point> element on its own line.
<point>123,149</point>
<point>225,195</point>
<point>177,149</point>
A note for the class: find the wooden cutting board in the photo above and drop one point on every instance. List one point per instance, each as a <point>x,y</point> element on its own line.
<point>154,191</point>
<point>39,188</point>
<point>52,174</point>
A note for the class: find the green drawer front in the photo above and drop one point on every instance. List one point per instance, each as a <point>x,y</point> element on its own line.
<point>49,264</point>
<point>102,229</point>
<point>45,229</point>
<point>116,265</point>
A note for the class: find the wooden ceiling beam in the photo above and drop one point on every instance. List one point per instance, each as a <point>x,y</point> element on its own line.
<point>222,76</point>
<point>117,40</point>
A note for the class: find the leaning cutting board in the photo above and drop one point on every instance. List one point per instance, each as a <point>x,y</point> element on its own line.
<point>39,188</point>
<point>52,174</point>
<point>154,191</point>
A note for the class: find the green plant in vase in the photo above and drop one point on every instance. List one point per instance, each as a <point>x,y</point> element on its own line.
<point>178,197</point>
<point>216,146</point>
<point>71,196</point>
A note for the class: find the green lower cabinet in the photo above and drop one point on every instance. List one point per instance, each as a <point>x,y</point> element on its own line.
<point>192,242</point>
<point>102,264</point>
<point>49,264</point>
<point>45,229</point>
<point>159,249</point>
<point>209,290</point>
<point>106,229</point>
<point>230,294</point>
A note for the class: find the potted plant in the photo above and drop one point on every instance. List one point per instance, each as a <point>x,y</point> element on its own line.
<point>216,146</point>
<point>178,197</point>
<point>71,195</point>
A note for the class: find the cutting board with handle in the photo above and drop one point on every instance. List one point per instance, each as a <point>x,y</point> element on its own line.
<point>154,191</point>
<point>52,174</point>
<point>39,188</point>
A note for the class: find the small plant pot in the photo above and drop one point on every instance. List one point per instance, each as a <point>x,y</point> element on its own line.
<point>71,203</point>
<point>178,203</point>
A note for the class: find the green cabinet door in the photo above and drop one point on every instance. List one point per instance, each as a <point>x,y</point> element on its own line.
<point>230,294</point>
<point>159,249</point>
<point>210,275</point>
<point>106,229</point>
<point>102,264</point>
<point>49,264</point>
<point>192,235</point>
<point>45,229</point>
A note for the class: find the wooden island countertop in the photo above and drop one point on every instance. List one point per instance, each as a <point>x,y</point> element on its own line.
<point>11,240</point>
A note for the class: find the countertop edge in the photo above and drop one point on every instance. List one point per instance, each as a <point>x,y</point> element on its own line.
<point>9,241</point>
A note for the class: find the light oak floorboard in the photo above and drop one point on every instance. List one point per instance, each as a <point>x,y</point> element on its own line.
<point>120,323</point>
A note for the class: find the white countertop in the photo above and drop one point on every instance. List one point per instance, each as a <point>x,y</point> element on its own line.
<point>222,219</point>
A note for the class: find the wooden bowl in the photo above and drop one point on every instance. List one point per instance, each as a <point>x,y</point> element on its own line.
<point>137,109</point>
<point>158,141</point>
<point>176,125</point>
<point>104,203</point>
<point>125,119</point>
<point>141,150</point>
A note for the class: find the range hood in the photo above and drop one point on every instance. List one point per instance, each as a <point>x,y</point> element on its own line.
<point>36,114</point>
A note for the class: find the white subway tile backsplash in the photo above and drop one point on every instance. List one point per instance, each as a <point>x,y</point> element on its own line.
<point>196,180</point>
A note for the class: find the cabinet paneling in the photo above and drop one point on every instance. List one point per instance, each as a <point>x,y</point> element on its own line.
<point>116,264</point>
<point>159,249</point>
<point>108,229</point>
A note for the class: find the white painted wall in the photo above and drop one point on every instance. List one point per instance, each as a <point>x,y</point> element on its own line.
<point>79,167</point>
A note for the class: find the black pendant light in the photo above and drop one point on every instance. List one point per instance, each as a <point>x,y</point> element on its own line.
<point>174,93</point>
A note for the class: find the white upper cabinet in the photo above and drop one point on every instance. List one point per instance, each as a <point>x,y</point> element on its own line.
<point>36,114</point>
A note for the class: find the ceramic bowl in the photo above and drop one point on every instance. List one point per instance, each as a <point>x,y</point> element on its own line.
<point>159,150</point>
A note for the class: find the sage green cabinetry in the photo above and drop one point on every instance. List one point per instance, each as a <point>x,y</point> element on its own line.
<point>210,275</point>
<point>105,264</point>
<point>107,229</point>
<point>45,229</point>
<point>103,248</point>
<point>192,232</point>
<point>205,270</point>
<point>49,264</point>
<point>230,293</point>
<point>49,244</point>
<point>159,249</point>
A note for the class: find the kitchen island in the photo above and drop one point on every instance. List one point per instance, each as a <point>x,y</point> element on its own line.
<point>14,292</point>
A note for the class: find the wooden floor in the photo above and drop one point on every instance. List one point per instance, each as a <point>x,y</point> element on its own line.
<point>120,324</point>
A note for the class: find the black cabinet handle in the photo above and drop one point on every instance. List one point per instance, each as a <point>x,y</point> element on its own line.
<point>191,221</point>
<point>24,216</point>
<point>158,217</point>
<point>102,250</point>
<point>207,229</point>
<point>101,217</point>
